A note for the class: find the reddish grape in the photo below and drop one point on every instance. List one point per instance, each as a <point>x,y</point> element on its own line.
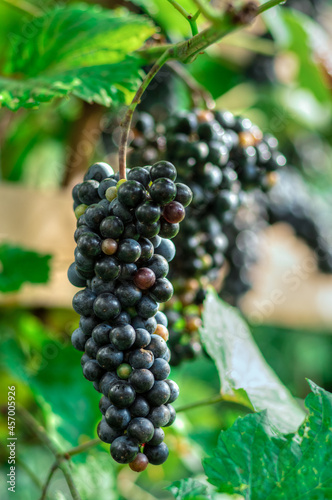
<point>144,278</point>
<point>174,212</point>
<point>140,463</point>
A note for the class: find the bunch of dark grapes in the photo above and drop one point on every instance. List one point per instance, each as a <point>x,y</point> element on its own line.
<point>123,236</point>
<point>291,202</point>
<point>221,158</point>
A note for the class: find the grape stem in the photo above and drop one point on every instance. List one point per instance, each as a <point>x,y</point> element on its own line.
<point>191,19</point>
<point>198,92</point>
<point>268,5</point>
<point>126,123</point>
<point>213,400</point>
<point>61,458</point>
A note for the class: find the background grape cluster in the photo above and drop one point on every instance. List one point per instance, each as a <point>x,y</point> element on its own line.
<point>123,236</point>
<point>223,159</point>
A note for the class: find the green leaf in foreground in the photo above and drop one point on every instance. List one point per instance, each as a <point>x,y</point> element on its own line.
<point>20,266</point>
<point>79,49</point>
<point>101,84</point>
<point>77,36</point>
<point>250,462</point>
<point>242,367</point>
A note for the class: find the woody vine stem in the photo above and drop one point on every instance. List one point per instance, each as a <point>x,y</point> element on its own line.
<point>186,51</point>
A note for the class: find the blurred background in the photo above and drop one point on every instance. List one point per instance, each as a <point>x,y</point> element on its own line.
<point>278,73</point>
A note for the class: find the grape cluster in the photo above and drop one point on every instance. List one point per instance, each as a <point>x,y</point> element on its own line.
<point>222,158</point>
<point>293,203</point>
<point>123,236</point>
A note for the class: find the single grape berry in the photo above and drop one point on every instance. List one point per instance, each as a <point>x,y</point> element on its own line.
<point>141,358</point>
<point>83,302</point>
<point>111,227</point>
<point>94,215</point>
<point>163,191</point>
<point>156,455</point>
<point>118,418</point>
<point>139,175</point>
<point>159,416</point>
<point>88,192</point>
<point>107,268</point>
<point>144,278</point>
<point>168,230</point>
<point>140,428</point>
<point>160,369</point>
<point>106,433</point>
<point>162,290</point>
<point>162,331</point>
<point>131,193</point>
<point>123,337</point>
<point>99,171</point>
<point>124,449</point>
<point>159,394</point>
<point>166,249</point>
<point>109,357</point>
<point>148,212</point>
<point>124,371</point>
<point>174,212</point>
<point>146,307</point>
<point>129,251</point>
<point>109,246</point>
<point>142,380</point>
<point>106,306</point>
<point>89,244</point>
<point>140,407</point>
<point>140,463</point>
<point>92,371</point>
<point>184,194</point>
<point>128,294</point>
<point>163,169</point>
<point>121,394</point>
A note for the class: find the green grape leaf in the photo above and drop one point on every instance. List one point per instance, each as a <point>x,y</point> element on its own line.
<point>101,84</point>
<point>19,266</point>
<point>187,489</point>
<point>251,462</point>
<point>77,36</point>
<point>245,377</point>
<point>78,49</point>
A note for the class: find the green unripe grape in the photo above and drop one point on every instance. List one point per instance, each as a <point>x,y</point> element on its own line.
<point>124,370</point>
<point>111,193</point>
<point>80,210</point>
